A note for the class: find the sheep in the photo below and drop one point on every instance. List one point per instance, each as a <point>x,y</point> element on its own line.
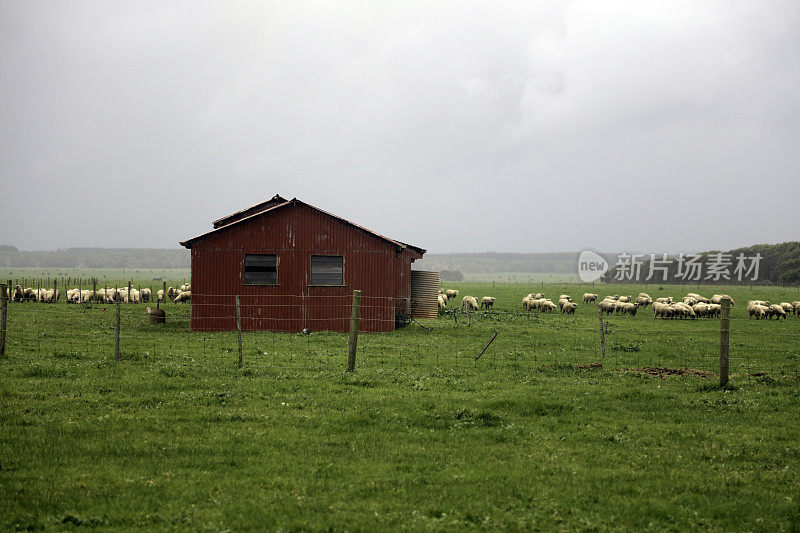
<point>183,288</point>
<point>796,306</point>
<point>701,309</point>
<point>666,300</point>
<point>469,302</point>
<point>146,294</point>
<point>589,297</point>
<point>764,303</point>
<point>607,306</point>
<point>171,293</point>
<point>661,309</point>
<point>628,308</point>
<point>615,297</point>
<point>565,297</point>
<point>689,300</point>
<point>624,299</point>
<point>717,299</point>
<point>701,299</point>
<point>538,296</point>
<point>684,310</point>
<point>714,310</point>
<point>644,300</point>
<point>487,301</point>
<point>776,311</point>
<point>18,295</point>
<point>787,307</point>
<point>441,300</point>
<point>547,306</point>
<point>561,302</point>
<point>451,294</point>
<point>527,303</point>
<point>183,297</point>
<point>756,310</point>
<point>160,295</point>
<point>569,308</point>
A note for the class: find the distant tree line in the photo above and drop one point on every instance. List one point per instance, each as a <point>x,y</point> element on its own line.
<point>490,262</point>
<point>777,264</point>
<point>10,256</point>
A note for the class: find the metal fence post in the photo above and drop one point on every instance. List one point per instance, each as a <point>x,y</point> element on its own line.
<point>724,329</point>
<point>355,316</point>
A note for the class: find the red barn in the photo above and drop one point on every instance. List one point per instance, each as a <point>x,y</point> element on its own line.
<point>295,266</point>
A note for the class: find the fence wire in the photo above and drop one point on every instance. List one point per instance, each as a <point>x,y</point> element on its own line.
<point>525,341</point>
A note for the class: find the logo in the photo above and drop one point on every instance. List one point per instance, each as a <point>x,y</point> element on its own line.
<point>591,266</point>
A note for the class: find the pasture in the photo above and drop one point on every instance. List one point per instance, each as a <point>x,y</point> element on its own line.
<point>533,435</point>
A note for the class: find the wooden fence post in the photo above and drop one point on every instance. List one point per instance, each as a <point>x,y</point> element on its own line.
<point>239,329</point>
<point>116,345</point>
<point>129,293</point>
<point>94,290</point>
<point>165,292</point>
<point>602,333</point>
<point>3,321</point>
<point>724,329</point>
<point>355,317</point>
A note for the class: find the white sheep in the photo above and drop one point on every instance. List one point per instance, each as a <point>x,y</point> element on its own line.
<point>547,306</point>
<point>569,308</point>
<point>469,302</point>
<point>451,294</point>
<point>607,306</point>
<point>756,310</point>
<point>776,311</point>
<point>589,297</point>
<point>183,297</point>
<point>488,301</point>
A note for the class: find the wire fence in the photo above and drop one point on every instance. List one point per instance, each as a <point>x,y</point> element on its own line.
<point>292,332</point>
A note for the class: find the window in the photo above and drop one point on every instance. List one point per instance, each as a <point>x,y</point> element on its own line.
<point>327,270</point>
<point>260,269</point>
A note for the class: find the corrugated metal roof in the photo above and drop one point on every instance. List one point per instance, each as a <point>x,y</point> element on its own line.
<point>294,201</point>
<point>259,207</point>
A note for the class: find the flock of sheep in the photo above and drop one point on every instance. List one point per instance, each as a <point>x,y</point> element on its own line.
<point>104,295</point>
<point>467,302</point>
<point>763,309</point>
<point>692,305</point>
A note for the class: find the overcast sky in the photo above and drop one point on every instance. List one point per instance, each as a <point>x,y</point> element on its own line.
<point>455,126</point>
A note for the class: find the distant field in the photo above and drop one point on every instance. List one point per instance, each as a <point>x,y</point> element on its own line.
<point>111,275</point>
<point>531,436</point>
<point>520,277</point>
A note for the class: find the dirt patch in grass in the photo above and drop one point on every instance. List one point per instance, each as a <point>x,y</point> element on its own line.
<point>591,366</point>
<point>663,371</point>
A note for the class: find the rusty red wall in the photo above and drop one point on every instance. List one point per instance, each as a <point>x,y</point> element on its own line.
<point>294,233</point>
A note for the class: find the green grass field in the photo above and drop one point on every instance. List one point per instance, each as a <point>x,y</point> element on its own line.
<point>421,436</point>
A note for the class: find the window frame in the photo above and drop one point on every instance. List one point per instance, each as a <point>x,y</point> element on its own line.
<point>259,284</point>
<point>311,274</point>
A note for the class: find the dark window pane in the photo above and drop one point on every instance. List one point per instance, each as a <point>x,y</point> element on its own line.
<point>327,270</point>
<point>261,269</point>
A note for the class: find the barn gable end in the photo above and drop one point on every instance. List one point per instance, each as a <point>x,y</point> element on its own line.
<point>287,234</point>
